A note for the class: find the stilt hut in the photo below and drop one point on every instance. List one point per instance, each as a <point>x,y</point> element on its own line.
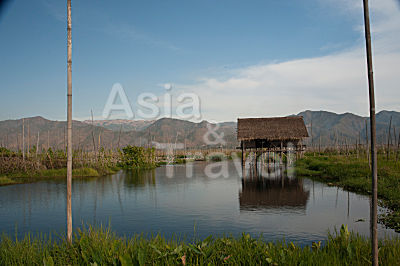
<point>276,134</point>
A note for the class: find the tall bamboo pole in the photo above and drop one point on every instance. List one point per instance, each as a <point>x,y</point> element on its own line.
<point>69,123</point>
<point>374,233</point>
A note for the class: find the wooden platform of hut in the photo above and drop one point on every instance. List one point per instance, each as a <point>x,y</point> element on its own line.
<point>276,134</point>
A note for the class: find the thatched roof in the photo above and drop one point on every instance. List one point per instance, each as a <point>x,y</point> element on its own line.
<point>275,128</point>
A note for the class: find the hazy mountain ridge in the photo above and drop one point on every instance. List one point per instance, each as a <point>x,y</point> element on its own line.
<point>121,124</point>
<point>341,128</point>
<point>327,127</point>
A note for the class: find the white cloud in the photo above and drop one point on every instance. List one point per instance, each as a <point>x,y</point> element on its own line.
<point>337,82</point>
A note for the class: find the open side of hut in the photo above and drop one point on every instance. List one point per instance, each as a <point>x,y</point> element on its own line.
<point>272,134</point>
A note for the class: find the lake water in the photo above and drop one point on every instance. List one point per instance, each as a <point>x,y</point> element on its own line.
<point>149,201</point>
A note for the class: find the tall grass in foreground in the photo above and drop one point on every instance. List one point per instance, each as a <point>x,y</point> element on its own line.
<point>103,247</point>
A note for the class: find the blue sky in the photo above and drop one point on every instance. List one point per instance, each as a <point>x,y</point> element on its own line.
<point>243,58</point>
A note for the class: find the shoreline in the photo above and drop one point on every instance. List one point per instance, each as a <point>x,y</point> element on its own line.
<point>25,178</point>
<point>353,174</point>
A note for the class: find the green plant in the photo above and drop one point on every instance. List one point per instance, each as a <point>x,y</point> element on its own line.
<point>133,157</point>
<point>101,246</point>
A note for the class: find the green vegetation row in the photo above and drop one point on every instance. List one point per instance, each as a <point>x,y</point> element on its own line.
<point>16,168</point>
<point>353,173</point>
<point>24,177</point>
<point>103,247</point>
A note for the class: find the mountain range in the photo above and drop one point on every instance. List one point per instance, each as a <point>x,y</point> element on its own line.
<point>326,128</point>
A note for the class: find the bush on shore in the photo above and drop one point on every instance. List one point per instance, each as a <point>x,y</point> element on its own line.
<point>133,157</point>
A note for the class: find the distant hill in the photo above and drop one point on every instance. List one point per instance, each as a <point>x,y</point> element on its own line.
<point>52,134</point>
<point>327,127</point>
<point>87,136</point>
<point>340,128</point>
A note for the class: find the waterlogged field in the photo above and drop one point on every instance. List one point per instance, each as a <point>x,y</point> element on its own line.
<point>274,208</point>
<point>353,173</point>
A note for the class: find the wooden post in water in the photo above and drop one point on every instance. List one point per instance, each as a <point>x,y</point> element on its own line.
<point>374,232</point>
<point>69,123</point>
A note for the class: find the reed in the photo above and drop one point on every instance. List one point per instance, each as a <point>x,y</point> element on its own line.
<point>17,168</point>
<point>102,246</point>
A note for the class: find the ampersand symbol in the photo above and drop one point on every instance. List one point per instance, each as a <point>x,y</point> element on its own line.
<point>216,138</point>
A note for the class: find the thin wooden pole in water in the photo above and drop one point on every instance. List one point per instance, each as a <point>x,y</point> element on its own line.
<point>374,233</point>
<point>69,123</point>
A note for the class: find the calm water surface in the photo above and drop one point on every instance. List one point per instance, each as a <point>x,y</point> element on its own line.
<point>150,202</point>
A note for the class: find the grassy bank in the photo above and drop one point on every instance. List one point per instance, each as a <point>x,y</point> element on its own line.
<point>27,177</point>
<point>4,180</point>
<point>17,168</point>
<point>78,172</point>
<point>103,247</point>
<point>354,174</point>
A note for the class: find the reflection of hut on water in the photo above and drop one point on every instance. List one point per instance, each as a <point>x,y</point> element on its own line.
<point>272,193</point>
